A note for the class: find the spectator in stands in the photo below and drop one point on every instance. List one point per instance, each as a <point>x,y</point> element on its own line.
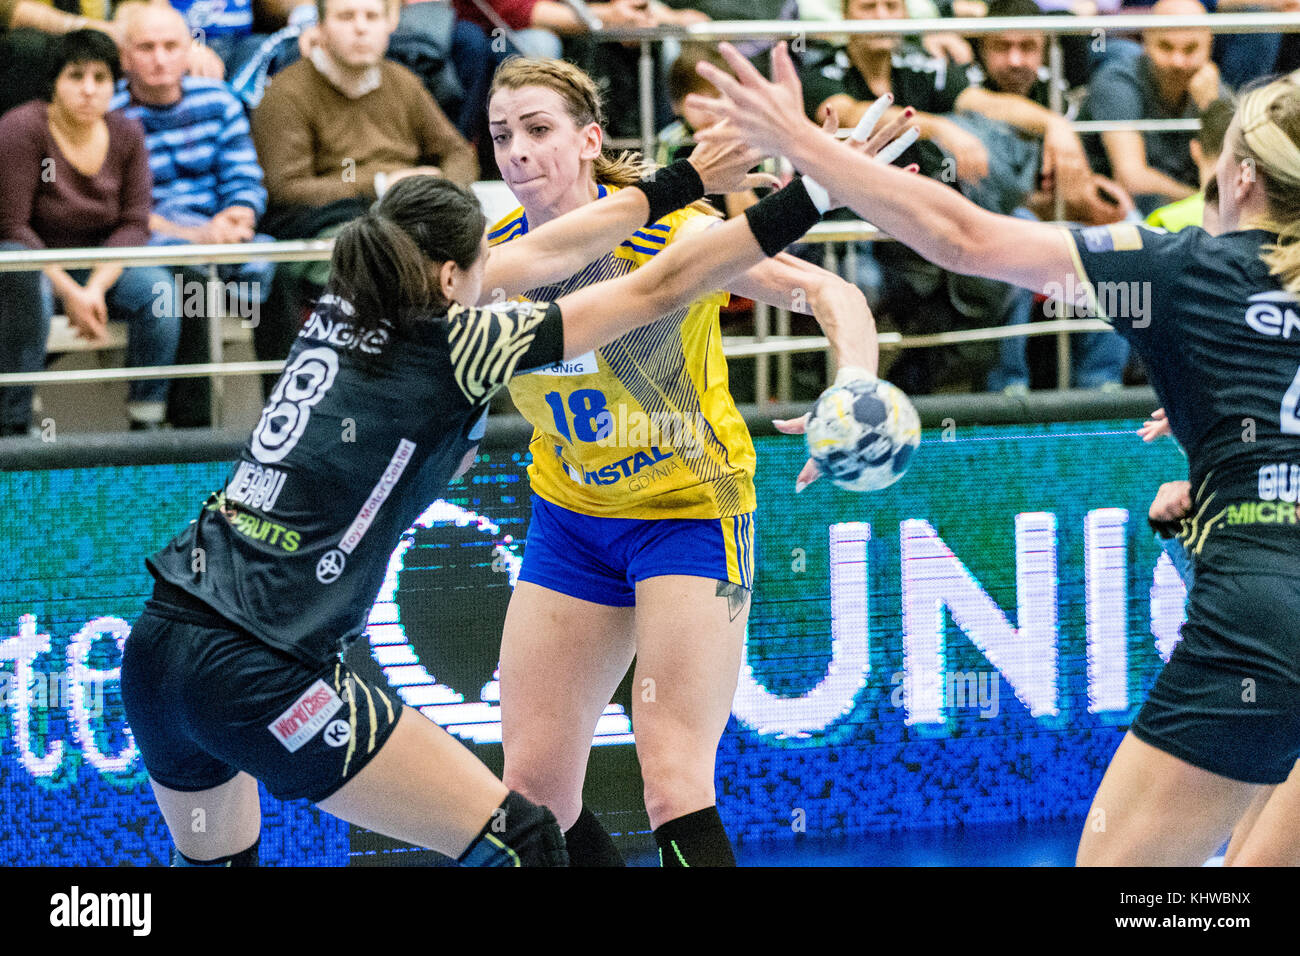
<point>29,30</point>
<point>335,129</point>
<point>77,176</point>
<point>452,59</point>
<point>1013,63</point>
<point>952,113</point>
<point>202,60</point>
<point>207,183</point>
<point>850,79</point>
<point>1205,148</point>
<point>1174,78</point>
<point>1243,57</point>
<point>677,139</point>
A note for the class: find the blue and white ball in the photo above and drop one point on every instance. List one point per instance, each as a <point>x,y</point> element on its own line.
<point>863,432</point>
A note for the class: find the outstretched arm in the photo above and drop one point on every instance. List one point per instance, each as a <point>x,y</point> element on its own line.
<point>939,223</point>
<point>839,307</point>
<point>684,271</point>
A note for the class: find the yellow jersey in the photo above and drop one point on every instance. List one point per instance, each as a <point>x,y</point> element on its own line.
<point>644,427</point>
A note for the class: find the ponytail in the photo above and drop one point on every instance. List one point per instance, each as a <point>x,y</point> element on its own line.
<point>1283,257</point>
<point>385,262</point>
<point>380,270</point>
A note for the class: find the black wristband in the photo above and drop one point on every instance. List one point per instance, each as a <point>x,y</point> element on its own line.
<point>670,188</point>
<point>783,217</point>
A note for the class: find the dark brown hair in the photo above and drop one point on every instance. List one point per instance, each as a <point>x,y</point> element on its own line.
<point>384,262</point>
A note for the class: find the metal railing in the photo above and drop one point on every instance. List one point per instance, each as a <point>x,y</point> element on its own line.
<point>767,341</point>
<point>1053,26</point>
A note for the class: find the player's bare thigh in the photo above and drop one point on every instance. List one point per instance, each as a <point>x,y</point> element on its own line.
<point>690,634</point>
<point>561,660</point>
<point>214,823</point>
<point>422,787</point>
<point>1270,836</point>
<point>1153,809</point>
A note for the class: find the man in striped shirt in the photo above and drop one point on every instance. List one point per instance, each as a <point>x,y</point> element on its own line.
<point>207,182</point>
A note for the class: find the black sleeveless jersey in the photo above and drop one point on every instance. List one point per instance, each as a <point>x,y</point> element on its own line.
<point>362,432</point>
<point>1221,341</point>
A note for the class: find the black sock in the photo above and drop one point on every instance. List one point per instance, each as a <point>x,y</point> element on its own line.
<point>247,858</point>
<point>520,833</point>
<point>589,844</point>
<point>697,839</point>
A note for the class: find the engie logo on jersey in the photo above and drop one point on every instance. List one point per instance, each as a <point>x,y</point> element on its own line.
<point>582,365</point>
<point>306,716</point>
<point>1273,313</point>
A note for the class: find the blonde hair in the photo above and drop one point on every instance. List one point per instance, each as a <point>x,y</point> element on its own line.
<point>582,101</point>
<point>1269,138</point>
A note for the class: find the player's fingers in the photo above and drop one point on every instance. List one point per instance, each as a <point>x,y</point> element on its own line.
<point>762,181</point>
<point>899,146</point>
<point>722,81</point>
<point>862,132</point>
<point>715,106</point>
<point>807,476</point>
<point>791,426</point>
<point>783,71</point>
<point>831,123</point>
<point>1158,414</point>
<point>878,140</point>
<point>746,74</point>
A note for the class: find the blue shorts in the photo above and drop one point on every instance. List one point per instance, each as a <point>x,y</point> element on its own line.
<point>601,559</point>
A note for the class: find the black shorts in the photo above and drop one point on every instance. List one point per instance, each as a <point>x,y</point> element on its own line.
<point>206,700</point>
<point>1228,701</point>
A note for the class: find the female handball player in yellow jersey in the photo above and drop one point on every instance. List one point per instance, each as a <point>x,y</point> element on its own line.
<point>642,536</point>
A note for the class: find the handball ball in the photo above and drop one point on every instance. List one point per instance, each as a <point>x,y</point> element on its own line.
<point>863,431</point>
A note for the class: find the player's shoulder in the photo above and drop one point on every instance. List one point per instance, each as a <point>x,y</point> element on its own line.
<point>650,240</point>
<point>509,226</point>
<point>1130,237</point>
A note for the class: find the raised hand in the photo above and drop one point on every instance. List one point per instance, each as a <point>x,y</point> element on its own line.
<point>766,114</point>
<point>884,145</point>
<point>724,161</point>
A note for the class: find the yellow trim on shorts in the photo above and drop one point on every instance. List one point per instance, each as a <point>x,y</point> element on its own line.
<point>738,542</point>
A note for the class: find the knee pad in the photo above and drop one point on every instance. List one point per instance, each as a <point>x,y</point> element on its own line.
<point>520,833</point>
